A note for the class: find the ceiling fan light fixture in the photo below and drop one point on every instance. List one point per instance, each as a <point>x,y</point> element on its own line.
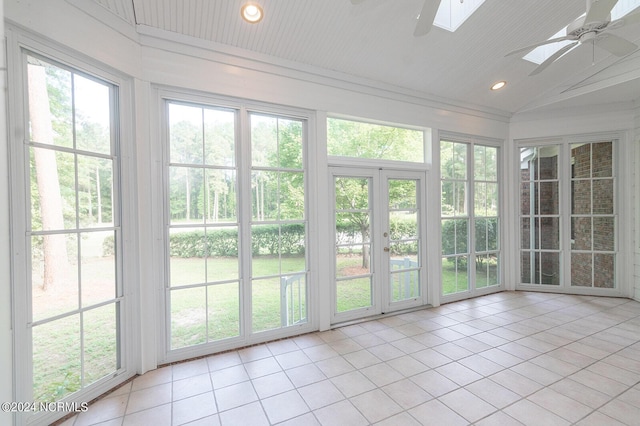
<point>251,12</point>
<point>498,85</point>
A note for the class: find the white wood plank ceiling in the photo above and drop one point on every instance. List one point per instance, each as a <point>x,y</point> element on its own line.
<point>374,41</point>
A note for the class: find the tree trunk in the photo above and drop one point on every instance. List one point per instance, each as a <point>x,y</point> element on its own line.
<point>56,263</point>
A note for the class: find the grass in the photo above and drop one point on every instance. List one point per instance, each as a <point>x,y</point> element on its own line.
<point>198,314</point>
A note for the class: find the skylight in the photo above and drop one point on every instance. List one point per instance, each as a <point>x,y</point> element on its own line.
<point>452,13</point>
<point>541,53</point>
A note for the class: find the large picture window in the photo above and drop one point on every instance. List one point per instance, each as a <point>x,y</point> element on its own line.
<point>73,234</point>
<point>469,217</point>
<point>237,230</point>
<point>568,241</point>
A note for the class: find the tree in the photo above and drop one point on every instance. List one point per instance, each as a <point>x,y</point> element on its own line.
<point>48,184</point>
<point>352,200</point>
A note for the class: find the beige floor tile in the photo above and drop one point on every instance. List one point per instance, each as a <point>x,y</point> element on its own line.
<point>353,383</point>
<point>341,413</point>
<point>305,374</point>
<point>581,393</point>
<point>623,412</point>
<point>235,395</point>
<point>381,374</point>
<point>481,365</point>
<point>293,359</point>
<point>284,406</point>
<point>531,414</point>
<point>191,386</point>
<point>434,383</point>
<point>375,405</point>
<point>229,376</point>
<point>262,367</point>
<point>407,394</point>
<point>458,373</point>
<point>495,394</point>
<point>157,416</point>
<point>320,394</point>
<point>561,405</point>
<point>189,369</point>
<point>250,414</point>
<point>599,419</point>
<point>272,384</point>
<point>498,419</point>
<point>193,408</point>
<point>436,413</point>
<point>103,410</point>
<point>467,405</point>
<point>515,382</point>
<point>149,397</point>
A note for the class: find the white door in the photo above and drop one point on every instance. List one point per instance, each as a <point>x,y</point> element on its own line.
<point>379,254</point>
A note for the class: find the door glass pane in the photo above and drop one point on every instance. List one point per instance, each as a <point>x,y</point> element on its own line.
<point>353,243</point>
<point>354,294</point>
<point>187,256</point>
<point>404,239</point>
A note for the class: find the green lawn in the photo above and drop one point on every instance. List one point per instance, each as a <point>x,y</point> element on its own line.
<point>202,314</point>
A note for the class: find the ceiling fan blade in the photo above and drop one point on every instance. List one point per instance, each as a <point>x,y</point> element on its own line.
<point>616,45</point>
<point>425,20</point>
<point>599,11</point>
<point>551,59</point>
<point>542,43</point>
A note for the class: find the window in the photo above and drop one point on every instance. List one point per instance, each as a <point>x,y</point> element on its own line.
<point>592,215</point>
<point>568,241</point>
<point>73,233</point>
<point>540,215</point>
<point>237,230</point>
<point>469,172</point>
<point>204,278</point>
<point>278,228</point>
<point>357,139</point>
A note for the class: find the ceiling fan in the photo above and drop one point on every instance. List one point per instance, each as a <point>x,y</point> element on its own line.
<point>594,27</point>
<point>426,17</point>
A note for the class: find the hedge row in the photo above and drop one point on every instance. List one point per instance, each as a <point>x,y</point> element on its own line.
<point>265,240</point>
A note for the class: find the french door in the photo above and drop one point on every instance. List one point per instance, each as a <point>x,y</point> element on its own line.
<point>379,255</point>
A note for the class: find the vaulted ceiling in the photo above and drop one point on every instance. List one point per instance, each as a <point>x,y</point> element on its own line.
<point>373,42</point>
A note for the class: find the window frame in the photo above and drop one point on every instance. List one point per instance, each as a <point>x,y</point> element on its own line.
<point>19,46</point>
<point>620,208</point>
<point>244,108</point>
<point>471,142</point>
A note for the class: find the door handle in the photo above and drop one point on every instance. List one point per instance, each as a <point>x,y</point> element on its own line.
<point>386,249</point>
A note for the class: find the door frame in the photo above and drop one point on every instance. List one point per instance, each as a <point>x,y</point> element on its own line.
<point>380,268</point>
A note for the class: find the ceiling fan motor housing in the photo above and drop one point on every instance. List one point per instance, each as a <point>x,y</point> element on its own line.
<point>579,30</point>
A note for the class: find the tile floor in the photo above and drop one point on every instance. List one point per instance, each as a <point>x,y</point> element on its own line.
<point>505,359</point>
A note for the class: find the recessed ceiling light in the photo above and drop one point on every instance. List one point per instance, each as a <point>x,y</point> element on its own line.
<point>499,85</point>
<point>251,12</point>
